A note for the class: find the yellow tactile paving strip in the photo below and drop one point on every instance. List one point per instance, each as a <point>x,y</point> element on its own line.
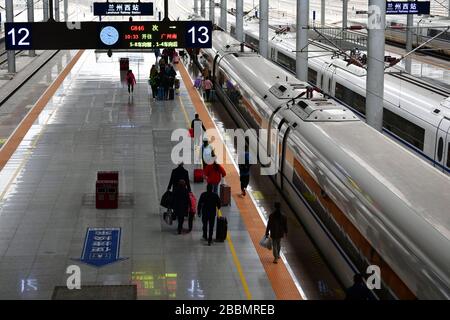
<point>282,283</point>
<point>17,136</point>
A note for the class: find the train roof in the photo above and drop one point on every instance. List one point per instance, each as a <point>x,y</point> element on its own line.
<point>416,183</point>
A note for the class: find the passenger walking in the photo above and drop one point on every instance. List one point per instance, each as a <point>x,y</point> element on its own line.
<point>244,173</point>
<point>164,83</point>
<point>277,227</point>
<point>154,81</point>
<point>208,204</point>
<point>179,173</point>
<point>207,86</point>
<point>214,174</point>
<point>131,81</point>
<point>181,203</point>
<point>207,152</point>
<point>359,290</point>
<point>157,54</point>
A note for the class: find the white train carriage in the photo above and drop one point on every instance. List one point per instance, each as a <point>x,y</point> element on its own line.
<point>416,113</point>
<point>366,194</point>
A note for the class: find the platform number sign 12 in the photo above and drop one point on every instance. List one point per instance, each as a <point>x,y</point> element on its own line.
<point>18,36</point>
<point>198,34</point>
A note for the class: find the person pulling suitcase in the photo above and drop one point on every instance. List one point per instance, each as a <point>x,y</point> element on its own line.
<point>208,204</point>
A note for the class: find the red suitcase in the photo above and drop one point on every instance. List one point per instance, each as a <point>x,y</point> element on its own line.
<point>225,195</point>
<point>198,175</point>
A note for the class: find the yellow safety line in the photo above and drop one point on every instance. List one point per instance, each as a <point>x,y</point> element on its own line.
<point>236,261</point>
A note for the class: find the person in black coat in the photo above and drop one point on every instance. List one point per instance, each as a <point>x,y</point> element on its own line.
<point>181,203</point>
<point>359,290</point>
<point>179,173</point>
<point>277,226</point>
<point>208,204</point>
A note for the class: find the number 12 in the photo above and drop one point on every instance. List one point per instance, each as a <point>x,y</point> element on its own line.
<point>22,41</point>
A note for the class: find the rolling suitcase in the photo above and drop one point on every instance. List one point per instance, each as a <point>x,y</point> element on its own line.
<point>225,195</point>
<point>171,94</point>
<point>198,175</point>
<point>222,229</point>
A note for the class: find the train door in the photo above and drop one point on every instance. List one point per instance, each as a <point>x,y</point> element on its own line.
<point>283,133</point>
<point>442,141</point>
<point>327,79</point>
<point>273,54</point>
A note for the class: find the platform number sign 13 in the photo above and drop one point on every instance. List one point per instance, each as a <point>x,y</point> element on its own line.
<point>18,36</point>
<point>198,34</point>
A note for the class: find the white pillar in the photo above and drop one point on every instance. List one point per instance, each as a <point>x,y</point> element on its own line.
<point>66,10</point>
<point>57,10</point>
<point>203,8</point>
<point>45,9</point>
<point>30,13</point>
<point>322,12</point>
<point>196,6</point>
<point>10,54</point>
<point>375,63</point>
<point>223,14</point>
<point>302,40</point>
<point>344,13</point>
<point>212,6</point>
<point>240,20</point>
<point>264,28</point>
<point>409,38</point>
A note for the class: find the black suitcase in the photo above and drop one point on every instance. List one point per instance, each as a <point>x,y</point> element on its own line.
<point>171,94</point>
<point>166,199</point>
<point>222,229</point>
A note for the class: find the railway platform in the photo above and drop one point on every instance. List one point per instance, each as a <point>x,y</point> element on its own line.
<point>86,122</point>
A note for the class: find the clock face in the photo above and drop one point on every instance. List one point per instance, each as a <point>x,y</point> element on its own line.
<point>109,35</point>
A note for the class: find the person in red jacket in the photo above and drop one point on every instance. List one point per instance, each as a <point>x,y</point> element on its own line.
<point>214,174</point>
<point>131,81</point>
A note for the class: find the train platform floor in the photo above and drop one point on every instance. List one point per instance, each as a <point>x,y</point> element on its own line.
<point>87,122</point>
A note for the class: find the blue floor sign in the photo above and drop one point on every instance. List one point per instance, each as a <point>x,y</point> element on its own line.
<point>101,246</point>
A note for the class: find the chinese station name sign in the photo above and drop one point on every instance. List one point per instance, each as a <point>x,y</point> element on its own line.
<point>123,8</point>
<point>408,7</point>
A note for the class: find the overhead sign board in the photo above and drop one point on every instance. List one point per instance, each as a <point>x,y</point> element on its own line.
<point>101,246</point>
<point>123,8</point>
<point>108,35</point>
<point>408,7</point>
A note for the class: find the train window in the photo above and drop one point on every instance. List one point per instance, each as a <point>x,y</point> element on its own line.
<point>312,76</point>
<point>448,155</point>
<point>252,41</point>
<point>440,149</point>
<point>232,31</point>
<point>351,98</point>
<point>286,61</point>
<point>403,128</point>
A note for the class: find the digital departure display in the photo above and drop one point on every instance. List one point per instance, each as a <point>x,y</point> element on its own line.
<point>108,35</point>
<point>123,8</point>
<point>408,7</point>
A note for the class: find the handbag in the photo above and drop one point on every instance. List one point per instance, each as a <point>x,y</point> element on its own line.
<point>168,217</point>
<point>167,199</point>
<point>266,242</point>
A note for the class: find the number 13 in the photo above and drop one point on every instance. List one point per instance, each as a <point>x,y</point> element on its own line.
<point>204,36</point>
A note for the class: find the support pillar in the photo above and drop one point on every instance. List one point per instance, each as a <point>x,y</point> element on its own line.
<point>409,38</point>
<point>223,14</point>
<point>344,13</point>
<point>196,6</point>
<point>30,13</point>
<point>240,20</point>
<point>264,28</point>
<point>322,12</point>
<point>10,54</point>
<point>203,8</point>
<point>301,66</point>
<point>45,9</point>
<point>57,18</point>
<point>212,6</point>
<point>66,10</point>
<point>375,63</point>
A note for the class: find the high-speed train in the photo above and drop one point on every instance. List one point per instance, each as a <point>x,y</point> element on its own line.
<point>373,202</point>
<point>416,113</point>
<point>425,28</point>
